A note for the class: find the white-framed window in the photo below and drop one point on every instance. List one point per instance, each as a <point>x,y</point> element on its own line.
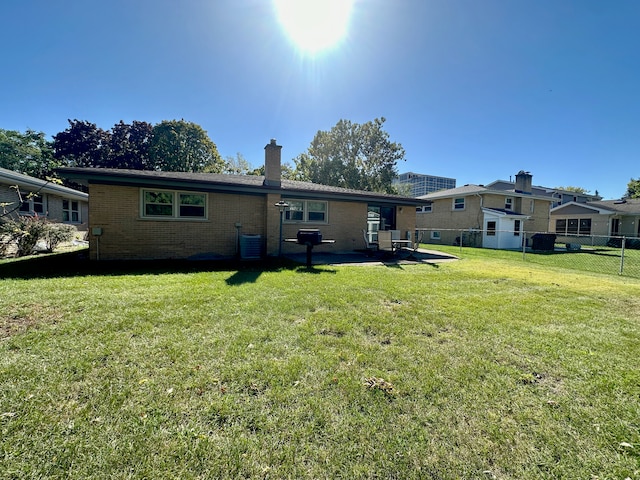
<point>70,211</point>
<point>435,235</point>
<point>508,203</point>
<point>516,228</point>
<point>307,211</point>
<point>425,208</point>
<point>172,204</point>
<point>491,229</point>
<point>32,204</point>
<point>532,204</point>
<point>458,203</point>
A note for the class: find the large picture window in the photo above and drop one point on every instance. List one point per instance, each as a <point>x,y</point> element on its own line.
<point>573,226</point>
<point>311,211</point>
<point>585,226</point>
<point>171,204</point>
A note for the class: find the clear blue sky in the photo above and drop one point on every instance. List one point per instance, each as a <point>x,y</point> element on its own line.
<point>473,89</point>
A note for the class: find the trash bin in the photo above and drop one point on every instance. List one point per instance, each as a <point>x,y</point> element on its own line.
<point>543,241</point>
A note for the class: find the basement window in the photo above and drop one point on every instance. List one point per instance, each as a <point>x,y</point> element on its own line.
<point>173,204</point>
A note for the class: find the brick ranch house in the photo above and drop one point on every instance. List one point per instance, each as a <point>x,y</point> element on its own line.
<point>135,214</point>
<point>45,199</point>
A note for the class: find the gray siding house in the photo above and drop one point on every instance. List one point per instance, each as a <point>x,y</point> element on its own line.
<point>42,198</point>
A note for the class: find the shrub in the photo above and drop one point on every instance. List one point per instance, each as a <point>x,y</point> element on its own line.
<point>23,232</point>
<point>56,233</point>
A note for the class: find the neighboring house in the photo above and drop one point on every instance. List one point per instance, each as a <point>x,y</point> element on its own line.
<point>485,217</point>
<point>558,196</point>
<point>419,184</point>
<point>600,219</point>
<point>46,199</point>
<point>137,214</point>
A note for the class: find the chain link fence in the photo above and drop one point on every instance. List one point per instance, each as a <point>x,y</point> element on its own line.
<point>614,255</point>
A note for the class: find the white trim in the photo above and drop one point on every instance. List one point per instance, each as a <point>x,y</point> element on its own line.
<point>305,211</point>
<point>175,212</point>
<point>25,181</point>
<point>601,211</point>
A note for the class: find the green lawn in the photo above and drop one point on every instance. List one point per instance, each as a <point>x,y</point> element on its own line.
<point>481,368</point>
<point>596,259</point>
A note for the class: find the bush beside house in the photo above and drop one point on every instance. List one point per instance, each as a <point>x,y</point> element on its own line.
<point>21,236</point>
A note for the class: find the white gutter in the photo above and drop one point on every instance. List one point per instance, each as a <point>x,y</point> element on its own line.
<point>25,181</point>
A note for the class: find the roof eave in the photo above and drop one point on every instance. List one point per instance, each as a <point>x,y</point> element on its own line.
<point>257,188</point>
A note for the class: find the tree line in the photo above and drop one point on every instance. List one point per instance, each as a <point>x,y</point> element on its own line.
<point>168,145</point>
<point>350,155</point>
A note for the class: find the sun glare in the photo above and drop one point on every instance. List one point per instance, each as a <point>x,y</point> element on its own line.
<point>314,25</point>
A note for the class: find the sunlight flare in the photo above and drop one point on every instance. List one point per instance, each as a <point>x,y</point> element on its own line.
<point>314,25</point>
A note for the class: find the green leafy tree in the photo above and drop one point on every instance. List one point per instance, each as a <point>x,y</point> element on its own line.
<point>633,188</point>
<point>182,146</point>
<point>237,165</point>
<point>288,171</point>
<point>129,146</point>
<point>83,144</point>
<point>29,153</point>
<point>352,155</point>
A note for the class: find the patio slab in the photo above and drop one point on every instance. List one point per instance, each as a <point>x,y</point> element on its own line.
<point>403,257</point>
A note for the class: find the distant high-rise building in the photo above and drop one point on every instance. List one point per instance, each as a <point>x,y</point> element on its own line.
<point>420,184</point>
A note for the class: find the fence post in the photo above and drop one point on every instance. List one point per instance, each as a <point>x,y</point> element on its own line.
<point>622,256</point>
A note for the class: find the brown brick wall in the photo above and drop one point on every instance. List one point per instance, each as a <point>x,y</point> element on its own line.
<point>127,236</point>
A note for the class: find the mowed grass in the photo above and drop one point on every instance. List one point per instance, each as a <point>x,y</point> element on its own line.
<point>480,368</point>
<point>596,259</point>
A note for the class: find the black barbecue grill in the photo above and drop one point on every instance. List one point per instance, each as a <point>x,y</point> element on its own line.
<point>309,237</point>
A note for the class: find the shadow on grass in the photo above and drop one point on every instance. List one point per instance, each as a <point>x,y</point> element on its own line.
<point>313,270</point>
<point>77,264</point>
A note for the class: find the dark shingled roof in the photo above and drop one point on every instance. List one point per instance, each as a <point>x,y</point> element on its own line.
<point>630,206</point>
<point>249,184</point>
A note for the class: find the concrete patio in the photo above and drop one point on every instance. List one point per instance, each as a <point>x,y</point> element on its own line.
<point>403,257</point>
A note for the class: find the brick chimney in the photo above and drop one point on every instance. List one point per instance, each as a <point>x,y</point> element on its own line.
<point>523,182</point>
<point>272,166</point>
